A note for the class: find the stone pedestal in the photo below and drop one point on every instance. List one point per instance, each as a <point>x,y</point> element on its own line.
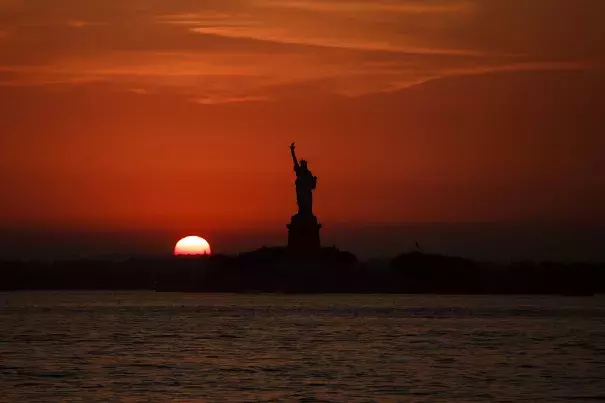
<point>303,235</point>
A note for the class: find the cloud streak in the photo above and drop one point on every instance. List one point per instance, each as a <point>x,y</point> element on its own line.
<point>406,7</point>
<point>237,48</point>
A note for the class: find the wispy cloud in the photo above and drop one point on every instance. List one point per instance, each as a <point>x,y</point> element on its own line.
<point>229,100</point>
<point>377,6</point>
<point>82,23</point>
<point>239,48</point>
<point>279,35</point>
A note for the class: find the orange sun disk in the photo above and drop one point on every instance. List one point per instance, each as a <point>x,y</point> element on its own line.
<point>192,245</point>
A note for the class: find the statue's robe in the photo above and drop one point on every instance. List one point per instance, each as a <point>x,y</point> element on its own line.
<point>305,183</point>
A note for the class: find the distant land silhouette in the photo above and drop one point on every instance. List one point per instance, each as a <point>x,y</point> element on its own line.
<point>272,270</point>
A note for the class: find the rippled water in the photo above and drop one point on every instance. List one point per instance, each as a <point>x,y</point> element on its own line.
<point>168,347</point>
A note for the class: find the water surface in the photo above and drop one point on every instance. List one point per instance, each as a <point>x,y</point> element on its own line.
<point>171,347</point>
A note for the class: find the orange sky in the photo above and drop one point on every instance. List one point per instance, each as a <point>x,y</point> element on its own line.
<point>147,114</point>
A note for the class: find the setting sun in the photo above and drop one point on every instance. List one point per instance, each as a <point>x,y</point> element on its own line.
<point>192,245</point>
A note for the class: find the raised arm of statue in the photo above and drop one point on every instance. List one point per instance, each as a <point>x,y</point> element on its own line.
<point>292,147</point>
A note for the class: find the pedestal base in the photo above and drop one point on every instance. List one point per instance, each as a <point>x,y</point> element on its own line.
<point>303,235</point>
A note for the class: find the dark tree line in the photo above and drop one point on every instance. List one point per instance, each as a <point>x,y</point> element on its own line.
<point>274,270</point>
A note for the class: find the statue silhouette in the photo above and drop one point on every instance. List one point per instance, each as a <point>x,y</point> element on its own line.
<point>305,184</point>
<point>303,229</point>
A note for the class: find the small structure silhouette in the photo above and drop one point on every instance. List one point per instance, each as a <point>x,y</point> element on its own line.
<point>303,230</point>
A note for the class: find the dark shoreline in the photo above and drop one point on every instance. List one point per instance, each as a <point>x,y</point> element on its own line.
<point>277,293</point>
<point>273,270</point>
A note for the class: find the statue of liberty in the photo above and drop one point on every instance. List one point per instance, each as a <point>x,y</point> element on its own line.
<point>305,184</point>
